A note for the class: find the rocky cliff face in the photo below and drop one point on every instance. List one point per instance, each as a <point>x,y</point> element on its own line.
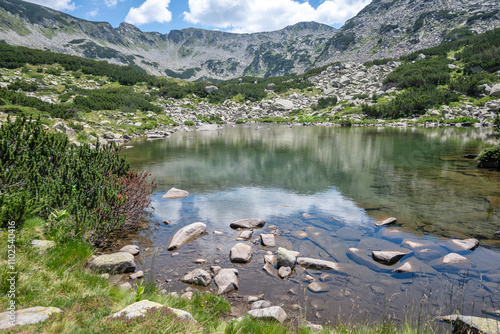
<point>392,28</point>
<point>385,28</point>
<point>187,54</point>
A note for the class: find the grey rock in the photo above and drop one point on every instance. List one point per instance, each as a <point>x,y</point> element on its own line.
<point>137,275</point>
<point>260,304</point>
<point>108,135</point>
<point>251,223</point>
<point>318,287</point>
<point>125,285</point>
<point>269,268</point>
<point>245,235</point>
<point>226,281</point>
<point>241,253</point>
<point>467,244</point>
<point>267,240</point>
<point>271,313</point>
<point>132,249</point>
<point>495,90</point>
<point>120,262</point>
<point>197,277</point>
<point>454,258</point>
<point>282,104</point>
<point>316,264</point>
<point>469,324</point>
<point>284,272</point>
<point>215,269</point>
<point>387,221</point>
<point>43,245</point>
<point>285,258</point>
<point>388,257</point>
<point>175,193</point>
<point>187,234</point>
<point>140,308</point>
<point>27,316</point>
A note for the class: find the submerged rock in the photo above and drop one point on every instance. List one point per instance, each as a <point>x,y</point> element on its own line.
<point>307,262</point>
<point>118,263</point>
<point>250,223</point>
<point>387,221</point>
<point>175,193</point>
<point>187,234</point>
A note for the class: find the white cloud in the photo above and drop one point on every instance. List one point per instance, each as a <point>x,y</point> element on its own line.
<point>56,4</point>
<point>150,11</point>
<point>110,3</point>
<point>93,13</point>
<point>267,15</point>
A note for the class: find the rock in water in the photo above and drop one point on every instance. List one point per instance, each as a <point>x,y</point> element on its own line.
<point>467,244</point>
<point>116,263</point>
<point>175,193</point>
<point>241,253</point>
<point>27,316</point>
<point>387,221</point>
<point>318,287</point>
<point>267,240</point>
<point>198,277</point>
<point>273,312</point>
<point>226,281</point>
<point>454,258</point>
<point>248,223</point>
<point>388,257</point>
<point>286,258</point>
<point>187,234</point>
<point>316,264</point>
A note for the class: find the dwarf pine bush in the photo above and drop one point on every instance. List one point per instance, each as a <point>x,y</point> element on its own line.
<point>41,172</point>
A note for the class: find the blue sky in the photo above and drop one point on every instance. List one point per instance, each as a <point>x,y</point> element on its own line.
<point>242,16</point>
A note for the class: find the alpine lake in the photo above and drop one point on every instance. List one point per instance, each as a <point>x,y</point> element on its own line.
<point>323,188</point>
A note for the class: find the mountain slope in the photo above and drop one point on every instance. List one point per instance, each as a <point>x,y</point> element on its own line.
<point>187,54</point>
<point>392,28</point>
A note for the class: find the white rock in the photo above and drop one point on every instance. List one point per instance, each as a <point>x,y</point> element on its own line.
<point>241,253</point>
<point>175,193</point>
<point>187,234</point>
<point>273,312</point>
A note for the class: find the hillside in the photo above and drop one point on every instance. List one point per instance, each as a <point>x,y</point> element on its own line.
<point>185,54</point>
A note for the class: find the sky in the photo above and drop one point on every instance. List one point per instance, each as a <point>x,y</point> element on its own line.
<point>239,16</point>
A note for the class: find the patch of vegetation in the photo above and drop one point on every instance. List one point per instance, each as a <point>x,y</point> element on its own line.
<point>185,75</point>
<point>425,72</point>
<point>325,102</point>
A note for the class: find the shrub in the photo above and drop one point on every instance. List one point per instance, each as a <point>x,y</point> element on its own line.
<point>41,172</point>
<point>490,157</point>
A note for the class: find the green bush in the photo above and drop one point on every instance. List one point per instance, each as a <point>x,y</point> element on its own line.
<point>425,72</point>
<point>490,157</point>
<point>41,172</point>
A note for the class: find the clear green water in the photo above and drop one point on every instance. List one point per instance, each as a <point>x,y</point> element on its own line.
<point>332,183</point>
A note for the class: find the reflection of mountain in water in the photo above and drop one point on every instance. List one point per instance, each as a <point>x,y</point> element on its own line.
<point>416,174</point>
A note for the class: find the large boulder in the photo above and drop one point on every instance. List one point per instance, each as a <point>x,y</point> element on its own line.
<point>187,234</point>
<point>226,281</point>
<point>250,223</point>
<point>273,313</point>
<point>27,316</point>
<point>140,308</point>
<point>116,263</point>
<point>241,253</point>
<point>495,90</point>
<point>282,104</point>
<point>198,277</point>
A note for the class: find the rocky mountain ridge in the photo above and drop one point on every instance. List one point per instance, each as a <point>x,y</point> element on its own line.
<point>385,28</point>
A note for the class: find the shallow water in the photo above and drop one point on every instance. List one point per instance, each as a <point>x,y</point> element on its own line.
<point>332,183</point>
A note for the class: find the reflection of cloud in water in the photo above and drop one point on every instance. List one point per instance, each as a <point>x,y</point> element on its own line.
<point>219,209</point>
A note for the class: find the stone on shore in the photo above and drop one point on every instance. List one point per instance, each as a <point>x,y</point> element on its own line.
<point>272,313</point>
<point>226,281</point>
<point>132,249</point>
<point>197,277</point>
<point>267,240</point>
<point>250,223</point>
<point>387,221</point>
<point>140,308</point>
<point>388,257</point>
<point>27,316</point>
<point>116,263</point>
<point>285,258</point>
<point>469,324</point>
<point>241,253</point>
<point>260,304</point>
<point>43,245</point>
<point>187,234</point>
<point>137,275</point>
<point>310,263</point>
<point>175,193</point>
